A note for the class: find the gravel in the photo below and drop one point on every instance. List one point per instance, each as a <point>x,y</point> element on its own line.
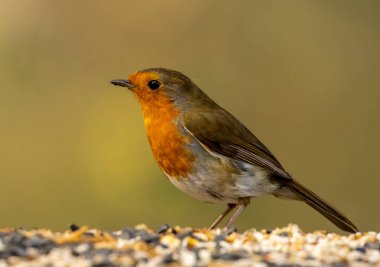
<point>176,246</point>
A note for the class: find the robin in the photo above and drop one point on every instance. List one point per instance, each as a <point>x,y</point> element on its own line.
<point>207,153</point>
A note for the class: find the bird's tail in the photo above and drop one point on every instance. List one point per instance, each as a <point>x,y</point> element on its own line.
<point>300,192</point>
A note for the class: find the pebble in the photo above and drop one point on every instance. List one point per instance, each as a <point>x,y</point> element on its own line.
<point>163,229</point>
<point>73,227</point>
<point>166,246</point>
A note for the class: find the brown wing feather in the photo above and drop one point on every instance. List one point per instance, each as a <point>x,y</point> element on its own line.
<point>220,132</point>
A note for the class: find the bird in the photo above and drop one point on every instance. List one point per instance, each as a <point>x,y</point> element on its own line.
<point>208,153</point>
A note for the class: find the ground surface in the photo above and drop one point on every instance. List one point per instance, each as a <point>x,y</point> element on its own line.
<point>141,246</point>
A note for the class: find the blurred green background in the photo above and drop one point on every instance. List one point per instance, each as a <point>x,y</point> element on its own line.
<point>303,75</point>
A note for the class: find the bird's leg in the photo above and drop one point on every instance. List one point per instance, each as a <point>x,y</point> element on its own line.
<point>221,216</point>
<point>243,202</point>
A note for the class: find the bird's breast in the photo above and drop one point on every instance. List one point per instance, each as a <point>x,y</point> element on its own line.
<point>168,144</point>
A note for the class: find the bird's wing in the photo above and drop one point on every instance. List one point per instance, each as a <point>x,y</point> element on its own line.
<point>221,133</point>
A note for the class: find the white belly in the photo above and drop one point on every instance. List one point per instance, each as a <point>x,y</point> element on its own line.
<point>214,187</point>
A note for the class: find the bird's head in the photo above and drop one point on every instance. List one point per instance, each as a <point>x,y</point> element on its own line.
<point>162,88</point>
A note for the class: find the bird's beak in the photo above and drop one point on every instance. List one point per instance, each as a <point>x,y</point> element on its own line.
<point>123,83</point>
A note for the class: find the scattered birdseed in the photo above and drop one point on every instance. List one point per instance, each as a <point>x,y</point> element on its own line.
<point>163,229</point>
<point>167,246</point>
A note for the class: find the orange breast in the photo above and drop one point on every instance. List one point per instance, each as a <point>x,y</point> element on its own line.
<point>167,143</point>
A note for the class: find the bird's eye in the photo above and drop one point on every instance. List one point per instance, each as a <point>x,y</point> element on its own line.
<point>154,84</point>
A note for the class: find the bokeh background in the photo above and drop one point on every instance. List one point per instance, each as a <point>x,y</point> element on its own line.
<point>303,75</point>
